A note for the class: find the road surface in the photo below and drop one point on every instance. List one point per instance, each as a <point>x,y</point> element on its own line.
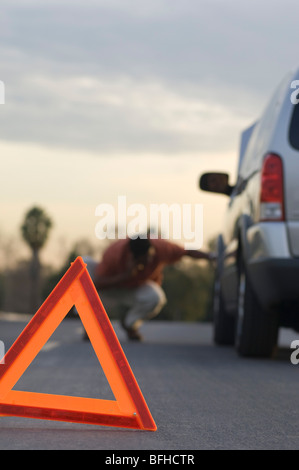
<point>201,396</point>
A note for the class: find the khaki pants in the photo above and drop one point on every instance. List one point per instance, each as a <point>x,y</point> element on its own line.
<point>138,304</point>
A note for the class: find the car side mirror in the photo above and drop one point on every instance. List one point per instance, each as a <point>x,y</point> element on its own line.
<point>215,183</point>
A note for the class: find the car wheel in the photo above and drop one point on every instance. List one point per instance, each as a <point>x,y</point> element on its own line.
<point>224,324</point>
<point>256,330</point>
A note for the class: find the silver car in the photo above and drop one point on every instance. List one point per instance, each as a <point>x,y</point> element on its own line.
<point>256,286</point>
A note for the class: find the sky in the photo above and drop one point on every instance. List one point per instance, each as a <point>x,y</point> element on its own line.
<point>109,98</point>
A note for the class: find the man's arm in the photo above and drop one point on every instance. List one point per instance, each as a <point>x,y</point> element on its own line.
<point>197,254</point>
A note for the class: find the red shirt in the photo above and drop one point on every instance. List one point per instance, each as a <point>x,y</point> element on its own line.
<point>117,256</point>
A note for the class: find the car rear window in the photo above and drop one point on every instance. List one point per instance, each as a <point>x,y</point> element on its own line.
<point>294,128</point>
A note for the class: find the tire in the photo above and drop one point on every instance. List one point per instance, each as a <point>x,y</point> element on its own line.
<point>224,324</point>
<point>256,330</point>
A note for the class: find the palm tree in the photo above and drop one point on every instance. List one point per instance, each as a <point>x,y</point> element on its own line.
<point>35,231</point>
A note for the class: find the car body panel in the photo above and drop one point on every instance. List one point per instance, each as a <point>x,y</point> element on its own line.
<point>270,250</point>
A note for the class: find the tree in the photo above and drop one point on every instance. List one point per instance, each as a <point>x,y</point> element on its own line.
<point>35,231</point>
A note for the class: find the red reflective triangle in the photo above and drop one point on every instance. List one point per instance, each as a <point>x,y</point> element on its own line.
<point>129,408</point>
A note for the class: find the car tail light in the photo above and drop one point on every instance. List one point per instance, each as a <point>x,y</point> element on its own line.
<point>271,198</point>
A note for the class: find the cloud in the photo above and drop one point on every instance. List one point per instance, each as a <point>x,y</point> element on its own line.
<point>118,115</point>
<point>128,76</point>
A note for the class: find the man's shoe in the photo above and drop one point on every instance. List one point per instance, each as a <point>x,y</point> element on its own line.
<point>134,335</point>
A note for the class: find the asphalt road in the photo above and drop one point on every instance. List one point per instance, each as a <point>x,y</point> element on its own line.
<point>201,396</point>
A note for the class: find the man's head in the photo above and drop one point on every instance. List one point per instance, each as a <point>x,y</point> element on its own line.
<point>139,247</point>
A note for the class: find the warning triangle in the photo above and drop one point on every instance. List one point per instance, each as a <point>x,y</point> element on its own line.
<point>128,410</point>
